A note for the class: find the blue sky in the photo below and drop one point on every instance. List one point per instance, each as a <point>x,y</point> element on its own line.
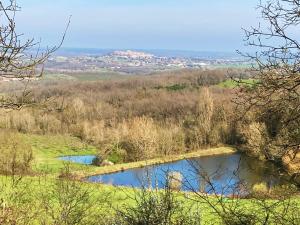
<point>203,25</point>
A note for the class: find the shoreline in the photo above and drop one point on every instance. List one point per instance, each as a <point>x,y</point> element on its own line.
<point>134,165</point>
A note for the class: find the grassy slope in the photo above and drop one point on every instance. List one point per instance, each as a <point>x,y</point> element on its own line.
<point>107,198</point>
<point>47,149</point>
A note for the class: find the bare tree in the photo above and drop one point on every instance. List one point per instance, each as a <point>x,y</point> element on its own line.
<point>20,59</point>
<point>17,59</point>
<point>274,99</point>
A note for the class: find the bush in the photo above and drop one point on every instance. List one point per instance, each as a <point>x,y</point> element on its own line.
<point>22,121</point>
<point>49,124</point>
<point>255,138</point>
<point>171,140</point>
<point>69,202</point>
<point>16,155</point>
<point>117,156</point>
<point>260,188</point>
<point>140,139</point>
<point>156,208</point>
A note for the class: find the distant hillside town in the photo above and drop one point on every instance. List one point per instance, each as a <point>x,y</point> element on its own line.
<point>133,62</point>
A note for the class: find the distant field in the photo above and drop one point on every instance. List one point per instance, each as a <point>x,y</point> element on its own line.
<point>235,66</point>
<point>88,76</point>
<point>96,76</point>
<point>232,83</point>
<point>58,77</point>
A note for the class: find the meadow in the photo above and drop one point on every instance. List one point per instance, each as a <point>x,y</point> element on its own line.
<point>132,122</point>
<point>47,199</point>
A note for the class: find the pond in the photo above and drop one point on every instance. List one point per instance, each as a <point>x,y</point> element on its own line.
<point>82,159</point>
<point>226,174</point>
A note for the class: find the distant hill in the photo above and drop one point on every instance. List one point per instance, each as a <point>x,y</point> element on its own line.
<point>157,52</point>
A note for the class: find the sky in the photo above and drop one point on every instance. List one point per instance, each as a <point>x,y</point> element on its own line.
<point>198,25</point>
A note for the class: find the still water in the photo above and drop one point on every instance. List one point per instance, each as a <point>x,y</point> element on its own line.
<point>84,159</point>
<point>226,174</point>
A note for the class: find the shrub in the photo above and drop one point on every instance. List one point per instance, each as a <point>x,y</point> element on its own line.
<point>156,208</point>
<point>22,121</point>
<point>49,124</point>
<point>111,152</point>
<point>171,140</point>
<point>260,188</point>
<point>239,218</point>
<point>254,138</point>
<point>92,131</point>
<point>68,202</point>
<point>117,155</point>
<point>140,139</point>
<point>16,155</point>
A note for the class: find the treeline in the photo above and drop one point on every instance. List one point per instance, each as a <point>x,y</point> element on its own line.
<point>136,117</point>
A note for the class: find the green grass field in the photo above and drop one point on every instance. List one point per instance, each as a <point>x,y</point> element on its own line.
<point>233,84</point>
<point>87,76</point>
<point>43,185</point>
<point>236,66</point>
<point>103,199</point>
<point>47,149</point>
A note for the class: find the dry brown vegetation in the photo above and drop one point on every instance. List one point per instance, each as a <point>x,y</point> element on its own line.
<point>271,107</point>
<point>135,118</point>
<point>16,155</point>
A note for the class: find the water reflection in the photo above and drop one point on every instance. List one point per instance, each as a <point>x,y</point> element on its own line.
<point>226,173</point>
<point>85,159</point>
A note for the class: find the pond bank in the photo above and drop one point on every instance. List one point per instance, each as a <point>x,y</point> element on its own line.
<point>168,159</point>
